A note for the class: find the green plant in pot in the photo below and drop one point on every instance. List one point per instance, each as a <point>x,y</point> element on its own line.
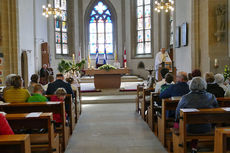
<point>107,67</point>
<point>69,67</point>
<point>226,72</point>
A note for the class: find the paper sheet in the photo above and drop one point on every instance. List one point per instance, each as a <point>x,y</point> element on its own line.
<point>34,114</point>
<point>226,109</point>
<point>190,110</point>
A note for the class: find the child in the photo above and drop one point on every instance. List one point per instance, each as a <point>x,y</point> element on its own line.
<point>60,95</point>
<point>5,128</point>
<point>168,80</point>
<point>37,96</point>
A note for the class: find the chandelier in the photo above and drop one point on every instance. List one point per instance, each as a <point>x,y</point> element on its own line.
<point>47,11</point>
<point>167,6</point>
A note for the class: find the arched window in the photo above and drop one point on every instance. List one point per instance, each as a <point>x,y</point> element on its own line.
<point>144,25</point>
<point>61,28</point>
<point>101,29</point>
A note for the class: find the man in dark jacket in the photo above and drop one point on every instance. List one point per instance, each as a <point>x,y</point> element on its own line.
<point>179,89</point>
<point>59,83</point>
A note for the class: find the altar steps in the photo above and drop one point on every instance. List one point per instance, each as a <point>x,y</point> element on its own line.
<point>108,99</point>
<point>126,78</point>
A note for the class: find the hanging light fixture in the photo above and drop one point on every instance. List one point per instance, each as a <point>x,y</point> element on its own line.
<point>166,6</point>
<point>47,11</point>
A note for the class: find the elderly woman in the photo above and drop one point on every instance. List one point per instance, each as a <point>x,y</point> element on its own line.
<point>219,79</point>
<point>197,98</point>
<point>212,86</point>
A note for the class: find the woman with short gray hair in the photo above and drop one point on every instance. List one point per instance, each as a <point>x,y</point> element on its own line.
<point>197,98</point>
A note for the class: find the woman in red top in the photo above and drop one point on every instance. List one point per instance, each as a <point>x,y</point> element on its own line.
<point>5,128</point>
<point>60,95</point>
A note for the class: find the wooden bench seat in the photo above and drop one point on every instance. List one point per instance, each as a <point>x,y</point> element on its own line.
<point>145,102</point>
<point>70,110</point>
<point>48,141</point>
<point>54,107</point>
<point>15,143</point>
<point>222,140</point>
<point>152,112</point>
<point>217,116</point>
<point>165,123</point>
<point>139,97</point>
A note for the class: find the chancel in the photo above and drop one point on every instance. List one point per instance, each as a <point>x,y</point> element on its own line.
<point>114,76</point>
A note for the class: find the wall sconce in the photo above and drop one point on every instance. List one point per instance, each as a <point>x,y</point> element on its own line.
<point>216,63</point>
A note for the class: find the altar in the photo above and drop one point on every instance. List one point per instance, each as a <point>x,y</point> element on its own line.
<point>107,79</point>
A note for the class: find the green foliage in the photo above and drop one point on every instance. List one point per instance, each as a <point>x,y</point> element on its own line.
<point>67,66</point>
<point>226,72</point>
<point>107,67</point>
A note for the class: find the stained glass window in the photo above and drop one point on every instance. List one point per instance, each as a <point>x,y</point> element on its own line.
<point>144,25</point>
<point>61,28</point>
<point>101,29</point>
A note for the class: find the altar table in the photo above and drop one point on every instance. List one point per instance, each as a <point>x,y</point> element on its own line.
<point>107,79</point>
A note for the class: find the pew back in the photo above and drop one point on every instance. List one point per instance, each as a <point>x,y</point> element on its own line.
<point>54,107</point>
<point>200,116</point>
<point>36,121</point>
<point>15,143</point>
<point>222,140</point>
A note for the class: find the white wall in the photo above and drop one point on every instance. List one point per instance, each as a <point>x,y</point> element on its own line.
<point>32,30</point>
<point>183,57</point>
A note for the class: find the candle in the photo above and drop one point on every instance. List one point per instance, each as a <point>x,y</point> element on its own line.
<point>216,62</point>
<point>73,58</point>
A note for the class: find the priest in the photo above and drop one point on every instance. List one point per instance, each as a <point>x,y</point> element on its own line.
<point>161,58</point>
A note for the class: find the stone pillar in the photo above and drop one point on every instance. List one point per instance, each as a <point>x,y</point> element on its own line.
<point>164,30</point>
<point>9,37</point>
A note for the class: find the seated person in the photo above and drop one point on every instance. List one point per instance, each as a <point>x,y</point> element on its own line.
<point>213,87</point>
<point>60,95</point>
<point>33,81</point>
<point>16,93</point>
<point>71,81</point>
<point>59,83</point>
<point>5,128</point>
<point>197,98</point>
<point>37,96</point>
<point>219,79</point>
<point>195,73</point>
<point>164,71</point>
<point>168,82</point>
<point>179,89</point>
<point>50,80</point>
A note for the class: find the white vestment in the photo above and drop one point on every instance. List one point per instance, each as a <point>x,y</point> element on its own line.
<point>160,58</point>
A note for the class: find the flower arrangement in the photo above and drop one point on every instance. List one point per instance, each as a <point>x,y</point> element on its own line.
<point>226,72</point>
<point>107,67</point>
<point>67,66</point>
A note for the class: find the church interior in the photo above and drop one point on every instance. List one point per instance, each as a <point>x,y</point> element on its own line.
<point>114,76</point>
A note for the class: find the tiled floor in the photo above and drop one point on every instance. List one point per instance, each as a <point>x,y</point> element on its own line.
<point>112,128</point>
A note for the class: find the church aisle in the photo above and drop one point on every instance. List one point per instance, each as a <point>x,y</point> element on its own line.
<point>112,128</point>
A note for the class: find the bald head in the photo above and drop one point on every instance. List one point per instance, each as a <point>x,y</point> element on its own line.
<point>182,77</point>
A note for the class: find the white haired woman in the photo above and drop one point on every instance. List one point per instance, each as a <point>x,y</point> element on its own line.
<point>219,79</point>
<point>197,98</point>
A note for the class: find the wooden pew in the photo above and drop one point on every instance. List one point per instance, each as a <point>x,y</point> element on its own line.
<point>70,111</point>
<point>222,140</point>
<point>46,141</point>
<point>223,101</point>
<point>139,97</point>
<point>80,100</point>
<point>164,123</point>
<point>217,116</point>
<point>15,143</point>
<point>145,102</point>
<point>54,107</point>
<point>152,111</point>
